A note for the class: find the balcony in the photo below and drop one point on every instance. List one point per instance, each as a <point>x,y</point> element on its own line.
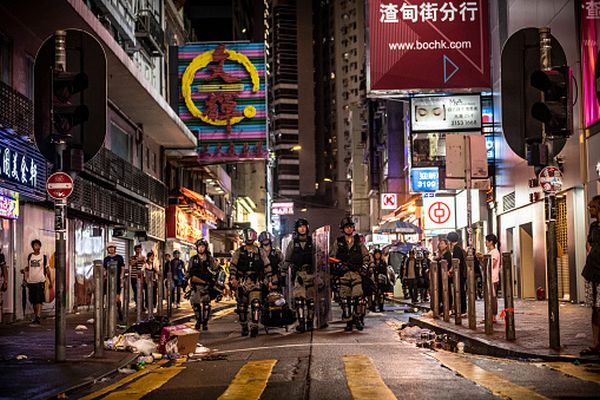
<point>149,33</point>
<point>16,111</point>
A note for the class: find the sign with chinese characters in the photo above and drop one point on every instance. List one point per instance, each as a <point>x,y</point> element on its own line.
<point>9,205</point>
<point>439,212</point>
<point>223,99</point>
<point>183,225</point>
<point>425,179</point>
<point>589,26</point>
<point>550,179</point>
<point>389,201</point>
<point>286,208</point>
<point>445,113</point>
<point>22,168</point>
<point>421,44</point>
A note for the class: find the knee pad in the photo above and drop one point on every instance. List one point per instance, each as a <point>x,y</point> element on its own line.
<point>206,311</point>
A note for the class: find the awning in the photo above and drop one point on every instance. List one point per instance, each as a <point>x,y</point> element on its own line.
<point>398,227</point>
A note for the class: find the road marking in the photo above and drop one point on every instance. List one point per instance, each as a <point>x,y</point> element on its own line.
<point>492,382</point>
<point>220,314</point>
<point>250,381</point>
<point>586,372</point>
<point>363,379</point>
<point>146,384</point>
<point>124,381</point>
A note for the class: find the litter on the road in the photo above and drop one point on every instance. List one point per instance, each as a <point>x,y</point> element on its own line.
<point>126,371</point>
<point>81,328</point>
<point>132,342</point>
<point>90,321</point>
<point>21,357</point>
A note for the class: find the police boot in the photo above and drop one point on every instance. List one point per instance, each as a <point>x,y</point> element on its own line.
<point>300,328</point>
<point>198,314</point>
<point>310,314</point>
<point>254,331</point>
<point>359,313</point>
<point>245,330</point>
<point>205,316</point>
<point>348,327</point>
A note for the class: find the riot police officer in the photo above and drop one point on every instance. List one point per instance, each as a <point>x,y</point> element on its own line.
<point>379,269</point>
<point>275,258</point>
<point>249,268</point>
<point>202,270</point>
<point>300,255</point>
<point>354,261</point>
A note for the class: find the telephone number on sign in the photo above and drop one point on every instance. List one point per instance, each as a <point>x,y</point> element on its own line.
<point>461,122</point>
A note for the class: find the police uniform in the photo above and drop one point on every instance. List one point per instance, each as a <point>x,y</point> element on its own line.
<point>380,268</point>
<point>354,258</point>
<point>202,266</point>
<point>301,254</point>
<point>278,277</point>
<point>250,265</point>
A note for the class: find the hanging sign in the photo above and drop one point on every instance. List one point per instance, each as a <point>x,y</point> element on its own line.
<point>439,212</point>
<point>445,113</point>
<point>389,201</point>
<point>425,179</point>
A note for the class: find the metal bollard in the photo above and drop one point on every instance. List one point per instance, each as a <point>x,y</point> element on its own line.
<point>435,294</point>
<point>471,285</point>
<point>161,294</point>
<point>111,299</point>
<point>150,292</point>
<point>126,287</point>
<point>140,295</point>
<point>509,304</point>
<point>446,291</point>
<point>170,294</point>
<point>488,292</point>
<point>98,312</point>
<point>456,279</point>
<point>430,289</point>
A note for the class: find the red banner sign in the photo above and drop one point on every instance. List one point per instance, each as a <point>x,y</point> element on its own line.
<point>416,44</point>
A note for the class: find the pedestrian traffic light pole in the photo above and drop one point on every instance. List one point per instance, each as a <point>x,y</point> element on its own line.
<point>550,212</point>
<point>60,206</point>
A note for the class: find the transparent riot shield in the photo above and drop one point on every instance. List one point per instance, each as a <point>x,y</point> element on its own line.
<point>322,276</point>
<point>288,290</point>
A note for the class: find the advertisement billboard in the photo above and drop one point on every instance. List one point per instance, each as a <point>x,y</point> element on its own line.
<point>427,45</point>
<point>223,99</point>
<point>445,113</point>
<point>425,179</point>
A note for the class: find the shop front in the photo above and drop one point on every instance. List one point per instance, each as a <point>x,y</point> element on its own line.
<point>183,229</point>
<point>23,173</point>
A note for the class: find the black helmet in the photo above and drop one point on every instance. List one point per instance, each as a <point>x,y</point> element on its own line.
<point>299,222</point>
<point>249,235</point>
<point>201,242</point>
<point>264,235</point>
<point>346,221</point>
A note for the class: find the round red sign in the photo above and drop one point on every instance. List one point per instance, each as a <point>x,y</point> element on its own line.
<point>59,185</point>
<point>550,179</point>
<point>439,212</point>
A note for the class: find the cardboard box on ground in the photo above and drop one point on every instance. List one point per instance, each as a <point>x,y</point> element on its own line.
<point>181,336</point>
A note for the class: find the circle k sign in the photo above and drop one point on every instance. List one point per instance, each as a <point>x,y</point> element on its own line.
<point>440,212</point>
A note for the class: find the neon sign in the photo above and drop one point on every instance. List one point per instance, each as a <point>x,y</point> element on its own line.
<point>9,206</point>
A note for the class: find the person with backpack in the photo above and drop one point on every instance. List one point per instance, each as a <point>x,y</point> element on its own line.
<point>178,274</point>
<point>36,273</point>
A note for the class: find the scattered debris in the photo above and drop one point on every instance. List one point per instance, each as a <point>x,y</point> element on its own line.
<point>90,321</point>
<point>460,348</point>
<point>81,328</point>
<point>21,357</point>
<point>428,314</point>
<point>126,371</point>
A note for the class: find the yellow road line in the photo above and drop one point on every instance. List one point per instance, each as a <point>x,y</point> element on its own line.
<point>146,384</point>
<point>250,381</point>
<point>363,379</point>
<point>222,313</point>
<point>586,372</point>
<point>124,381</point>
<point>492,382</point>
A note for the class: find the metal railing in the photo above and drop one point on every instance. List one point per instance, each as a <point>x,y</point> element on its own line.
<point>16,111</point>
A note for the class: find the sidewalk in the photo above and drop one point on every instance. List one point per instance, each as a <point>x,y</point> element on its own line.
<point>531,326</point>
<point>39,377</point>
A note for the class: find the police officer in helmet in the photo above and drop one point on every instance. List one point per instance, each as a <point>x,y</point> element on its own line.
<point>275,258</point>
<point>202,270</point>
<point>249,268</point>
<point>354,261</point>
<point>300,256</point>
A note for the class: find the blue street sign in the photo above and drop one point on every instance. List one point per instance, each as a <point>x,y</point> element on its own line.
<point>425,179</point>
<point>489,146</point>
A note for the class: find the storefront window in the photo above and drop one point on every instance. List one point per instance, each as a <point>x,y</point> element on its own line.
<point>89,246</point>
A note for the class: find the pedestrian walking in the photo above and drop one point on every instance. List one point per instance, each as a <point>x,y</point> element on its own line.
<point>591,274</point>
<point>136,262</point>
<point>35,274</point>
<point>111,249</point>
<point>178,273</point>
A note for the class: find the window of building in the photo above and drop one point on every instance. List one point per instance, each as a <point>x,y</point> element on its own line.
<point>5,60</point>
<point>119,142</point>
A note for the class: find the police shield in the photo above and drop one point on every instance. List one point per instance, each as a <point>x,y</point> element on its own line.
<point>322,276</point>
<point>288,290</point>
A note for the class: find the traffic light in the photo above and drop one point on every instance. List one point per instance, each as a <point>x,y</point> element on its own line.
<point>66,113</point>
<point>555,109</point>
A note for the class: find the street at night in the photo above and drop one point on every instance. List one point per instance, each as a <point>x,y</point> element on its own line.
<point>299,199</point>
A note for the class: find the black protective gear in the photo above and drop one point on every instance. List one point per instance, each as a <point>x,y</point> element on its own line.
<point>198,314</point>
<point>346,221</point>
<point>206,308</point>
<point>351,257</point>
<point>300,314</point>
<point>242,310</point>
<point>264,235</point>
<point>201,242</point>
<point>348,327</point>
<point>245,330</point>
<point>310,314</point>
<point>254,331</point>
<point>345,305</point>
<point>249,235</point>
<point>255,307</point>
<point>302,255</point>
<point>299,222</point>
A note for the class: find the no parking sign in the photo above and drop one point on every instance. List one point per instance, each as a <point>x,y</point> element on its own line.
<point>439,212</point>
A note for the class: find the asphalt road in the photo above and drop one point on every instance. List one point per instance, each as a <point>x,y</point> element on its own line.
<point>332,364</point>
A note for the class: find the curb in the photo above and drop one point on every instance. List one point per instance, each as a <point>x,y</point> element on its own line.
<point>484,347</point>
<point>128,360</point>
